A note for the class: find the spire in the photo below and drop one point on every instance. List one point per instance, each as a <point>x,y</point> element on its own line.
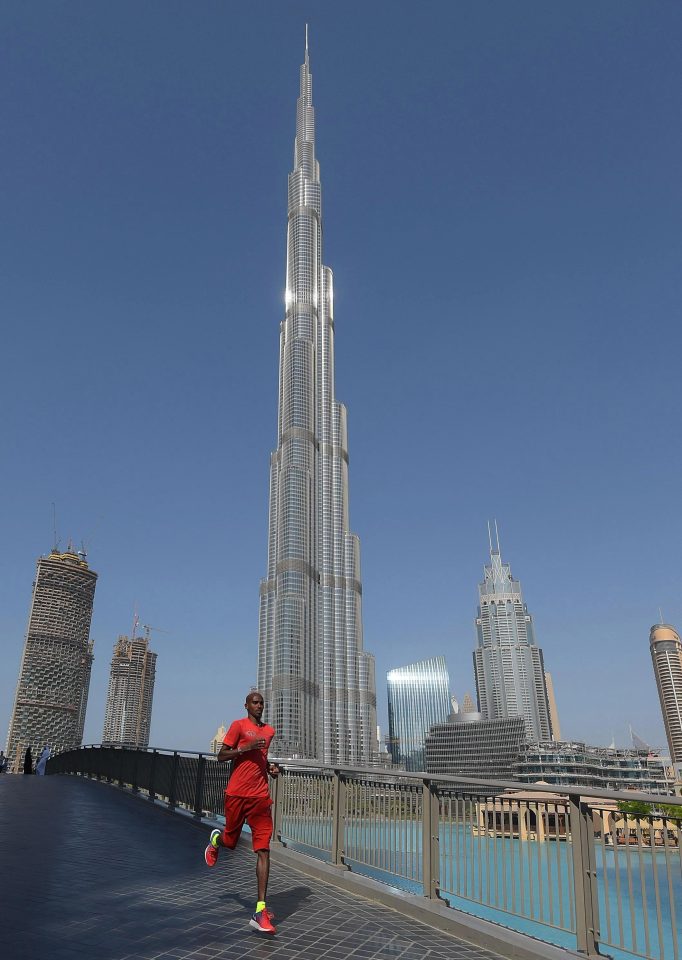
<point>498,574</point>
<point>304,144</point>
<point>496,548</point>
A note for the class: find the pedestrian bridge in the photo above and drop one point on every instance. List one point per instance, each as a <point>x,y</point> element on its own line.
<point>92,873</point>
<point>365,863</point>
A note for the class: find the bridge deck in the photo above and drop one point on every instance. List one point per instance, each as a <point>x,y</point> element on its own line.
<point>89,873</point>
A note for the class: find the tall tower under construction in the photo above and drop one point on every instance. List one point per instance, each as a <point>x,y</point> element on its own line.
<point>128,714</point>
<point>318,682</point>
<point>54,677</point>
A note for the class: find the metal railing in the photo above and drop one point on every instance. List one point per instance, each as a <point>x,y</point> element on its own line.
<point>570,867</point>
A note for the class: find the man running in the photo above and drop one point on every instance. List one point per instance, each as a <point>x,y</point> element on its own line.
<point>247,798</point>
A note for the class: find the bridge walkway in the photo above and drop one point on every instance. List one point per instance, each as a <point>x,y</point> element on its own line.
<point>90,873</point>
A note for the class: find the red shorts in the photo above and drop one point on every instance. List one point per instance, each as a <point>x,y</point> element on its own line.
<point>252,810</point>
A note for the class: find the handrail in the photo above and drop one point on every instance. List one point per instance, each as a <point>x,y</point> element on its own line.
<point>379,773</point>
<point>456,838</point>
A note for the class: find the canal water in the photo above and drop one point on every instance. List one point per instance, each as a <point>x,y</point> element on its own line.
<point>526,885</point>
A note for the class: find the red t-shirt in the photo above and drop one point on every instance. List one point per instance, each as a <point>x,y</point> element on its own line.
<point>249,771</point>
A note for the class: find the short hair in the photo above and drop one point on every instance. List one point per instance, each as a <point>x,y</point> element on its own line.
<point>253,693</point>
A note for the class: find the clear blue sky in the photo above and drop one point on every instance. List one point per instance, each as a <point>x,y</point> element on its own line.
<point>502,209</point>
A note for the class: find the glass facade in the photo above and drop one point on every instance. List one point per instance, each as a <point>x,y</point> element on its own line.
<point>475,747</point>
<point>317,680</point>
<point>509,668</point>
<point>418,697</point>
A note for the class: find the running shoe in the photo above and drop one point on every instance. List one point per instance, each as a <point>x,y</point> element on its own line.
<point>211,851</point>
<point>261,922</point>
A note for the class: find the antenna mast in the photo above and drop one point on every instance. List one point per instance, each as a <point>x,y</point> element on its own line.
<point>55,542</point>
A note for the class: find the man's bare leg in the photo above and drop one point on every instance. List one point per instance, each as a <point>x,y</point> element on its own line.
<point>262,872</point>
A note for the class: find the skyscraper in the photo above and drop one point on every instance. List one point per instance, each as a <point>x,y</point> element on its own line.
<point>418,697</point>
<point>317,681</point>
<point>54,677</point>
<point>128,715</point>
<point>510,675</point>
<point>666,654</point>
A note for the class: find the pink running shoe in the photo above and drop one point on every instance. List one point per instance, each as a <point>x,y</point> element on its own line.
<point>261,922</point>
<point>211,851</point>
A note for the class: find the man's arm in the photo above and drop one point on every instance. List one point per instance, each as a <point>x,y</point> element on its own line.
<point>229,753</point>
<point>274,769</point>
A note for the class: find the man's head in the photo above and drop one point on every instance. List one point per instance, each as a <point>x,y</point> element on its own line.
<point>254,705</point>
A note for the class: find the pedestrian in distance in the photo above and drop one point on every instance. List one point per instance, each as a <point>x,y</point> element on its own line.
<point>3,761</point>
<point>42,761</point>
<point>28,761</point>
<point>247,799</point>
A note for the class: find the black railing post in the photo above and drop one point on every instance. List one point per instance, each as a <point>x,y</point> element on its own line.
<point>134,785</point>
<point>173,781</point>
<point>199,788</point>
<point>121,764</point>
<point>152,771</point>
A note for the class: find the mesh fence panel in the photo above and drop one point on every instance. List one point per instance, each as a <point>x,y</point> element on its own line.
<point>216,776</point>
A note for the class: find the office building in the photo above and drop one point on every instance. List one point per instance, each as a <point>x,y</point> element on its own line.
<point>604,768</point>
<point>418,697</point>
<point>317,681</point>
<point>666,655</point>
<point>54,677</point>
<point>473,747</point>
<point>508,664</point>
<point>128,716</point>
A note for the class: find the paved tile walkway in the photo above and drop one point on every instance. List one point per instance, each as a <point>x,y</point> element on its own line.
<point>89,873</point>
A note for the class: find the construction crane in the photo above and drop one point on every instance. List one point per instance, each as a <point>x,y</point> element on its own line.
<point>148,630</point>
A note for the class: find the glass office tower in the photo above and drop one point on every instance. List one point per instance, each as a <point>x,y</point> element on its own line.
<point>317,681</point>
<point>510,675</point>
<point>418,698</point>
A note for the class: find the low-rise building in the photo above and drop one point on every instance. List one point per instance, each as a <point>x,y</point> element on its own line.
<point>469,746</point>
<point>571,764</point>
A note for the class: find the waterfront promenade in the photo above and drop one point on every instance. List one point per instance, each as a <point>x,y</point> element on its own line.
<point>90,873</point>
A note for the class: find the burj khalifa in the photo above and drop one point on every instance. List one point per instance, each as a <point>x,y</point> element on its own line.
<point>318,682</point>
